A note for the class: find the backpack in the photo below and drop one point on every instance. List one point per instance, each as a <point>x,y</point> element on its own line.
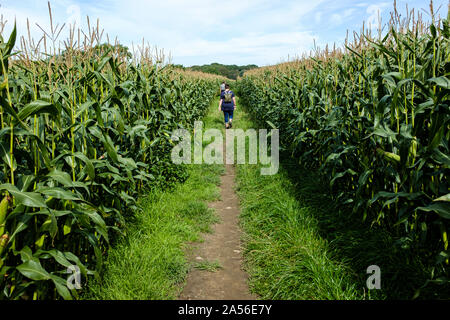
<point>227,97</point>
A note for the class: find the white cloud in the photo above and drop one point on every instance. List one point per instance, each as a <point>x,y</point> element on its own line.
<point>234,31</point>
<point>374,11</point>
<point>318,17</point>
<point>203,31</point>
<point>339,18</point>
<point>74,12</point>
<point>247,48</point>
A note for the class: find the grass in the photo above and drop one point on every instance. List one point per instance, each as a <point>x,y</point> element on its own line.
<point>150,262</point>
<point>210,266</point>
<point>285,255</point>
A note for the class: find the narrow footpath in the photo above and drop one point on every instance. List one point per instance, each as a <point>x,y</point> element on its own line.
<point>222,246</point>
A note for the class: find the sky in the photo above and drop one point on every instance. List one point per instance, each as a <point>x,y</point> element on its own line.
<point>241,32</point>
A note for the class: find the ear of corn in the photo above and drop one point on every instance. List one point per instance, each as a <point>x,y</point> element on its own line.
<point>3,242</point>
<point>4,206</point>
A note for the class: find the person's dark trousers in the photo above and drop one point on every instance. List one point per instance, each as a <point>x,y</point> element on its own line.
<point>228,114</point>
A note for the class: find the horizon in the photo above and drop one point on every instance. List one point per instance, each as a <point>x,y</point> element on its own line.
<point>256,32</point>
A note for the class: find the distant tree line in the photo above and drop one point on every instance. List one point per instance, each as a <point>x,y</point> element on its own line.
<point>230,71</point>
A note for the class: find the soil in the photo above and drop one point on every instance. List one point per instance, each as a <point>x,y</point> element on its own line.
<point>222,245</point>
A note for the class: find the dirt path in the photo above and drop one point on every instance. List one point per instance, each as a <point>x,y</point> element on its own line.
<point>223,245</point>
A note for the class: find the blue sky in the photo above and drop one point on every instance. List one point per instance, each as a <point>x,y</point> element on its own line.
<point>262,32</point>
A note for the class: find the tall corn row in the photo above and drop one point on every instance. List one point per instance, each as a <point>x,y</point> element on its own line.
<point>83,132</point>
<point>374,118</point>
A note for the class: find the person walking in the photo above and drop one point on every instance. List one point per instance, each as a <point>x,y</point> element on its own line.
<point>227,104</point>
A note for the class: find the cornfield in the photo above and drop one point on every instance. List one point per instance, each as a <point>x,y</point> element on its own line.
<point>83,132</point>
<point>374,118</point>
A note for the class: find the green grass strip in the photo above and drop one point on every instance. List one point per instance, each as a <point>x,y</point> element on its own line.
<point>285,256</point>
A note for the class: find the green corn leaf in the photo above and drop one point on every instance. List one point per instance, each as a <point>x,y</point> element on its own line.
<point>5,154</point>
<point>109,146</point>
<point>33,269</point>
<point>57,193</point>
<point>441,208</point>
<point>60,285</point>
<point>36,108</point>
<point>61,176</point>
<point>443,198</point>
<point>29,199</point>
<point>26,254</point>
<point>58,256</point>
<point>12,40</point>
<point>442,81</point>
